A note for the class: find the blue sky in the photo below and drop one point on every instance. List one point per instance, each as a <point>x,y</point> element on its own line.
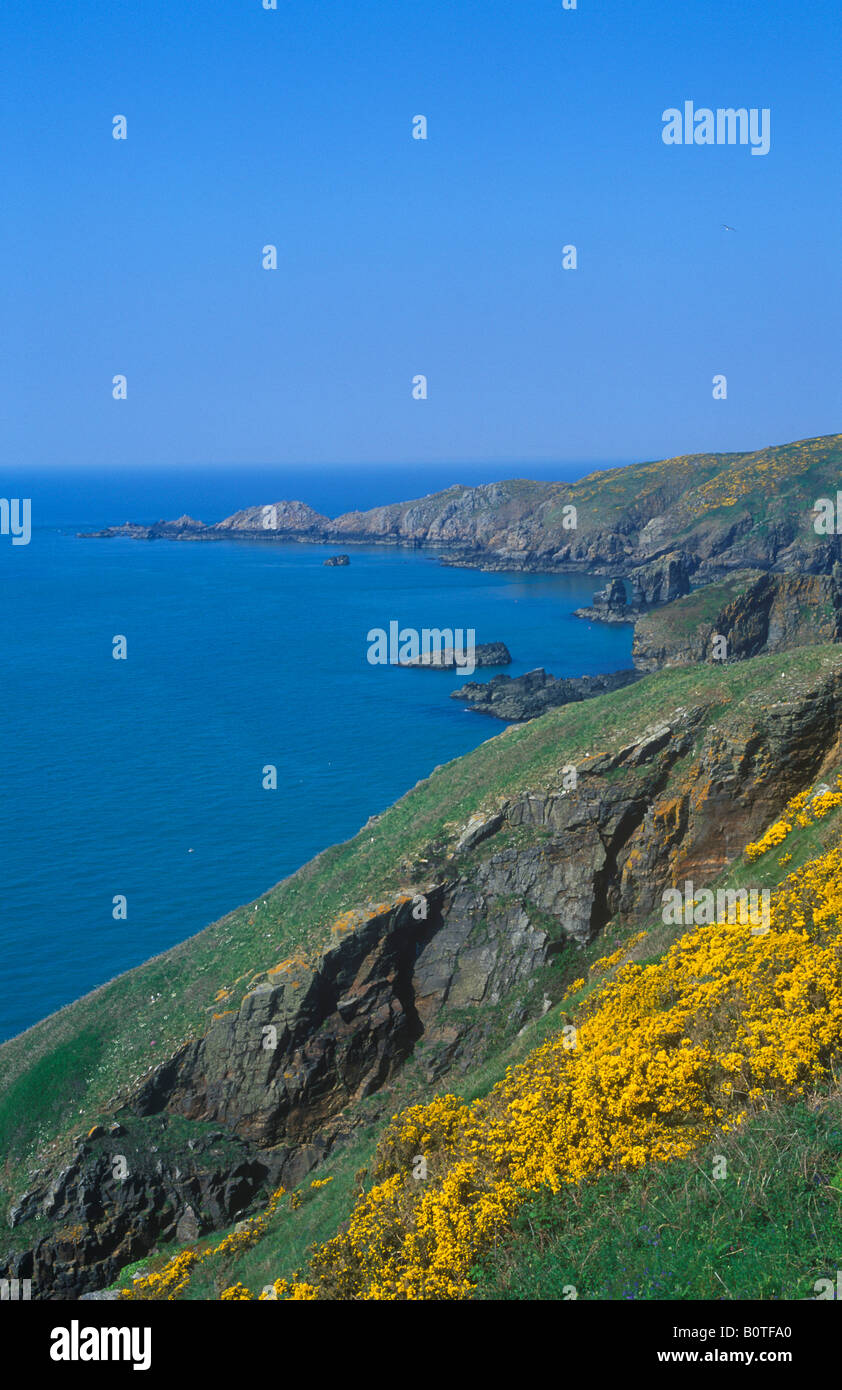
<point>397,256</point>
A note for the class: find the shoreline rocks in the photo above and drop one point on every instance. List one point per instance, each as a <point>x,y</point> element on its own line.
<point>650,586</point>
<point>525,697</point>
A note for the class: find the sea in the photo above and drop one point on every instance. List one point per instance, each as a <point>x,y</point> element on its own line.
<point>144,777</point>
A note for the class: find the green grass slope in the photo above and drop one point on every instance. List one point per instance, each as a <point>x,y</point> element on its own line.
<point>757,1214</point>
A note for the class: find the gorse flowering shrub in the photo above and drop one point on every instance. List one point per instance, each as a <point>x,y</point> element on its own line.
<point>170,1282</point>
<point>665,1055</point>
<point>804,809</point>
<point>289,1292</point>
<point>774,836</point>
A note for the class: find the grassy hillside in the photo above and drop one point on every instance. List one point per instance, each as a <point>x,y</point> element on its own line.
<point>69,1071</point>
<point>767,1227</point>
<point>60,1075</point>
<point>690,498</point>
<point>698,1155</point>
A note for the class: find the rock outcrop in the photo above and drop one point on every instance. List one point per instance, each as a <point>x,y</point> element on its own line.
<point>184,528</point>
<point>525,697</point>
<point>129,1187</point>
<point>661,581</point>
<point>752,612</point>
<point>610,605</point>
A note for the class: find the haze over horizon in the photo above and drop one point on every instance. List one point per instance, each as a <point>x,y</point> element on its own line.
<point>398,257</point>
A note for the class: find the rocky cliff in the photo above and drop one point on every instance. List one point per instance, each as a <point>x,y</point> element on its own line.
<point>438,970</point>
<point>752,612</point>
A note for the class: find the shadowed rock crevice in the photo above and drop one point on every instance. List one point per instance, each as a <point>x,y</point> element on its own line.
<point>606,884</point>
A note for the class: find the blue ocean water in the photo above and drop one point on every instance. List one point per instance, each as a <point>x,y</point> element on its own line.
<point>239,654</point>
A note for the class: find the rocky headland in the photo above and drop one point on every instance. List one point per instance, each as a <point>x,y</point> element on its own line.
<point>708,513</point>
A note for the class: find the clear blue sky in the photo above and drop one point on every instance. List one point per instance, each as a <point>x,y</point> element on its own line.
<point>398,256</point>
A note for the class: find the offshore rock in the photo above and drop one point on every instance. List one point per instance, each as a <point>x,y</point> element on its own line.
<point>484,654</point>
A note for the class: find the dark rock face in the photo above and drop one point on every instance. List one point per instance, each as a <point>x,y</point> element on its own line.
<point>115,1200</point>
<point>307,1042</point>
<point>661,581</point>
<point>525,697</point>
<point>613,595</point>
<point>772,612</point>
<point>610,605</point>
<point>272,1086</point>
<point>337,560</point>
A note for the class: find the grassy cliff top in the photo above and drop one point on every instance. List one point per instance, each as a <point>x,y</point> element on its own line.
<point>684,495</point>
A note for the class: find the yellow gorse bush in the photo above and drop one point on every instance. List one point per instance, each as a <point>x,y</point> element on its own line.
<point>665,1055</point>
<point>171,1281</point>
<point>288,1292</point>
<point>804,809</point>
<point>774,836</point>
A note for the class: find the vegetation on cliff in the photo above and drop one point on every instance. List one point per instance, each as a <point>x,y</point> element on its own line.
<point>647,1064</point>
<point>670,1040</point>
<point>663,1056</point>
